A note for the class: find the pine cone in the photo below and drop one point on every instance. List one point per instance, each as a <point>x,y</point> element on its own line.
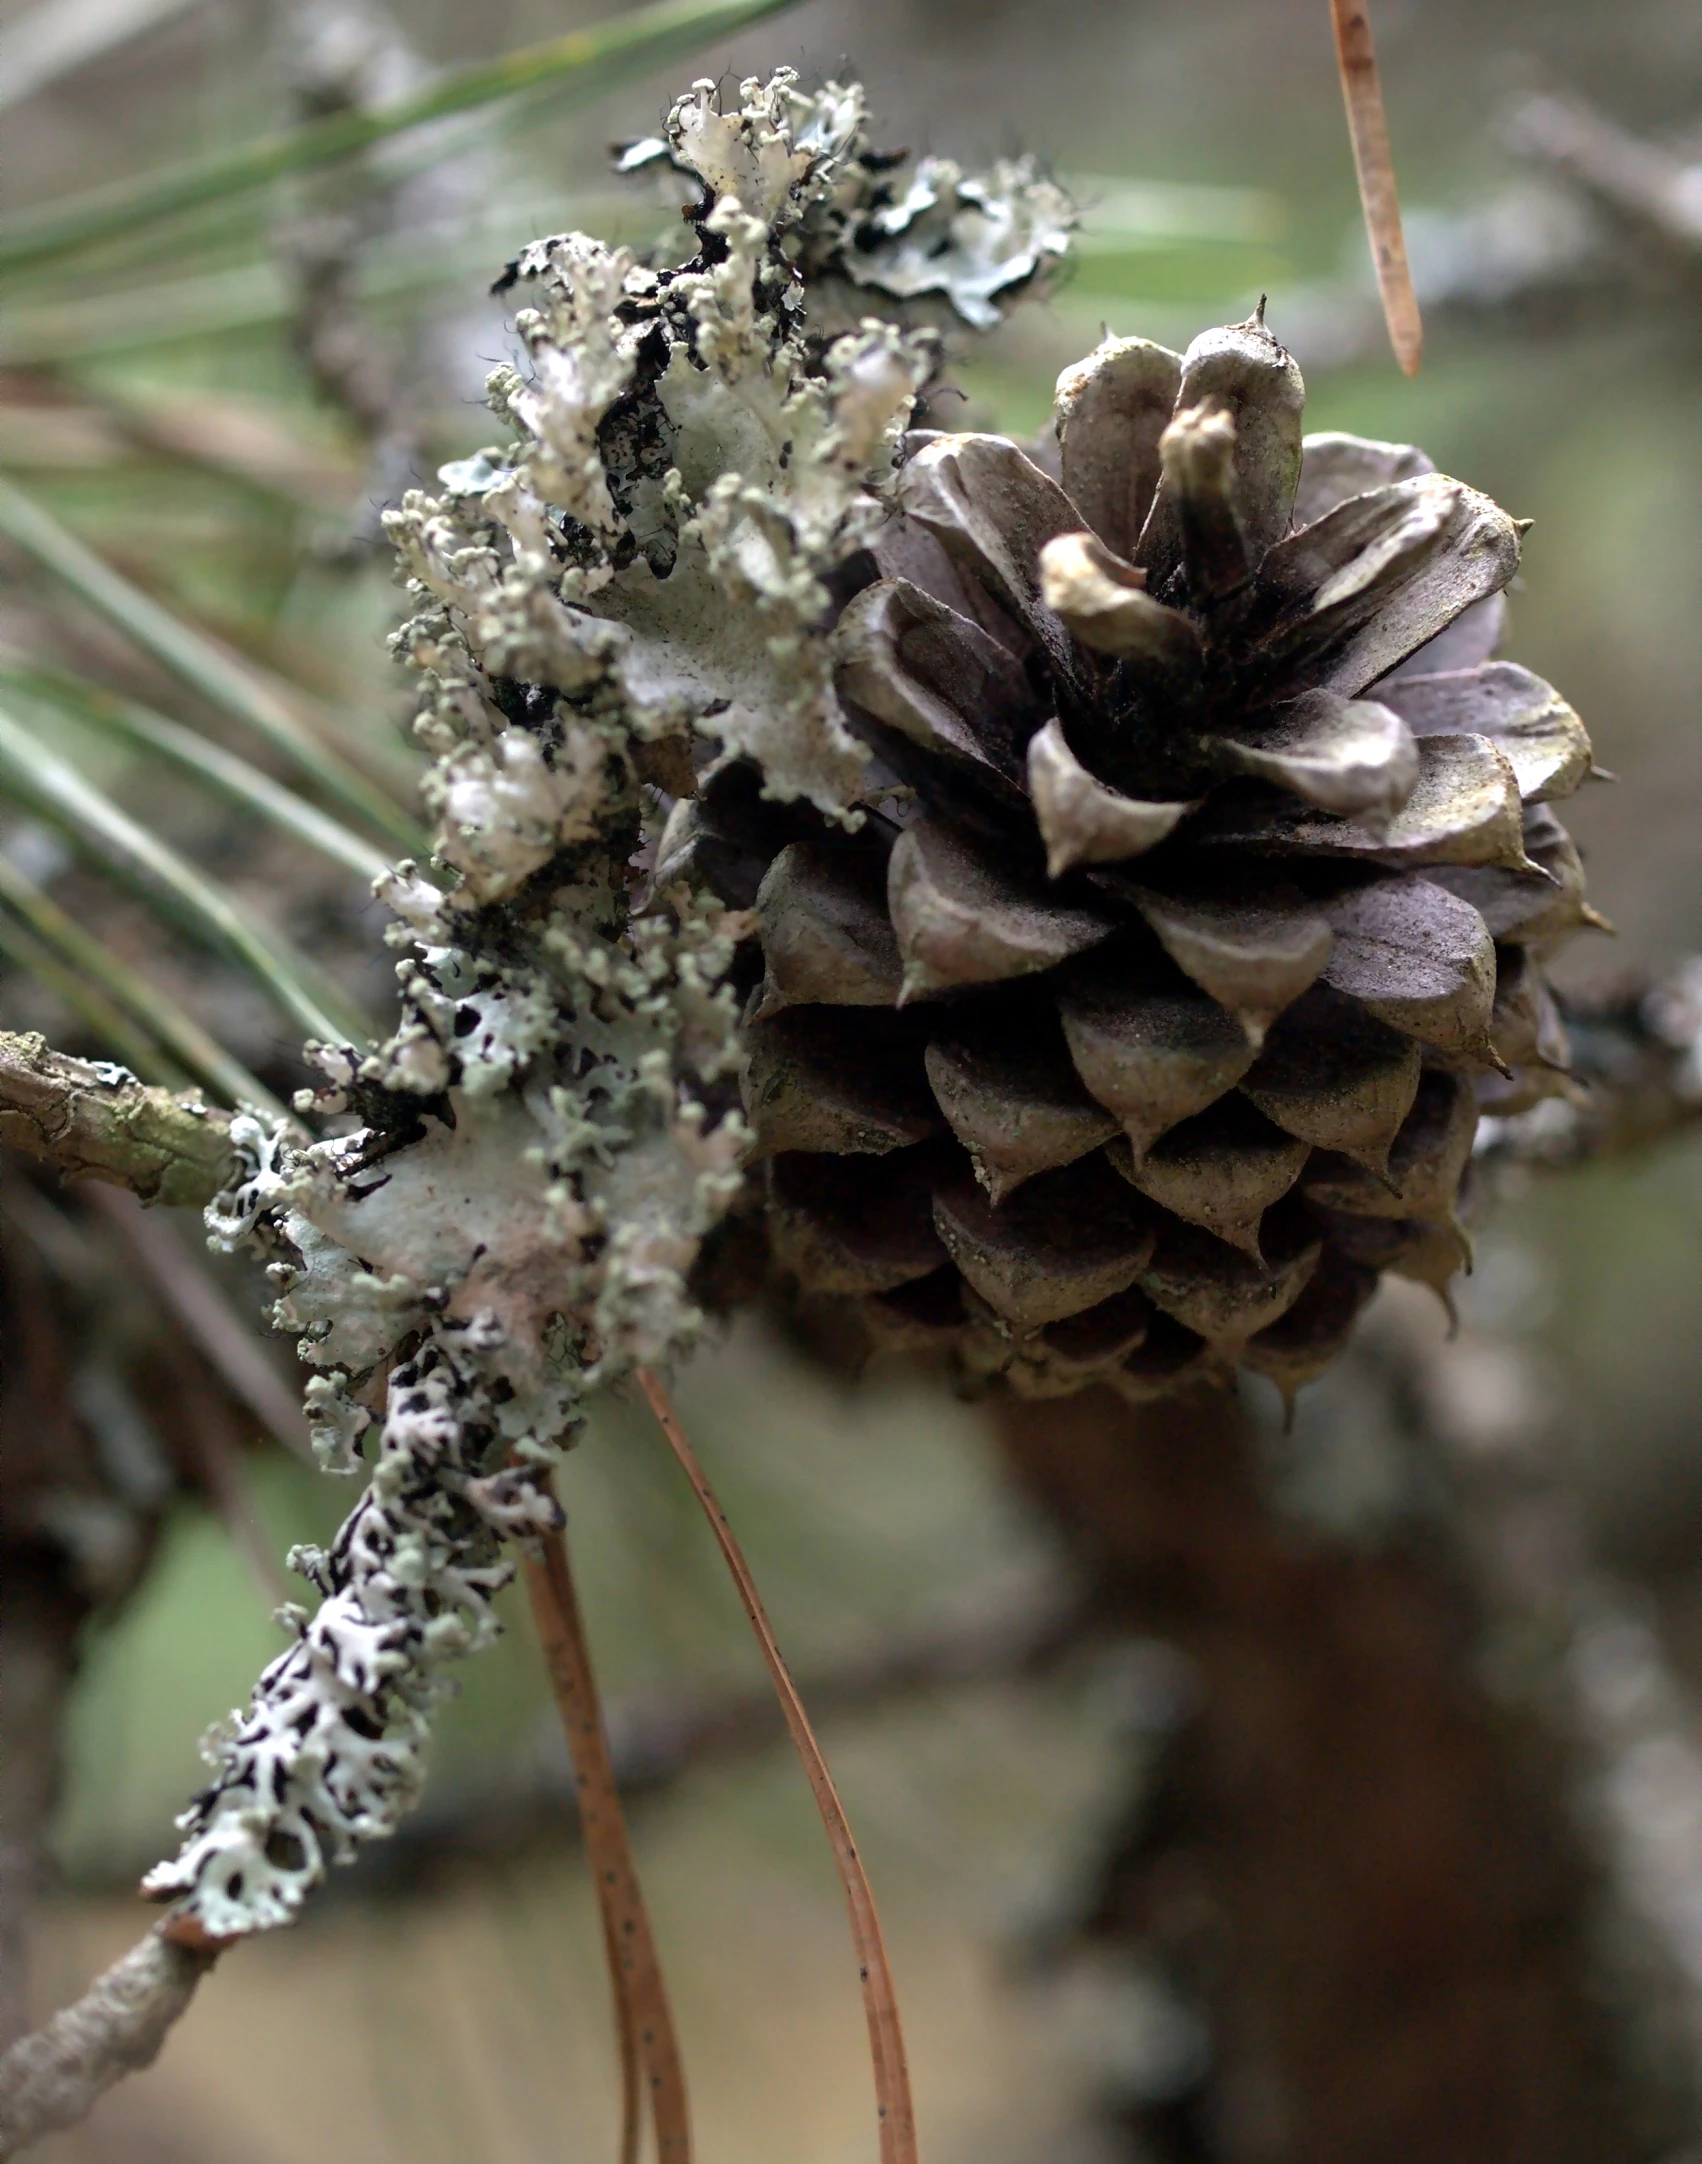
<point>1206,863</point>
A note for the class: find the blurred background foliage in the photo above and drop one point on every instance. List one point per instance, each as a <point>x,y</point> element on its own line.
<point>218,405</point>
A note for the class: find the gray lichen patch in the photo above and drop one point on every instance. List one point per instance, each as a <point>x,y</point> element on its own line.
<point>513,1189</point>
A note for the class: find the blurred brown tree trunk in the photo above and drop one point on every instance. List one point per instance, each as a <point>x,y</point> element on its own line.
<point>1365,1864</point>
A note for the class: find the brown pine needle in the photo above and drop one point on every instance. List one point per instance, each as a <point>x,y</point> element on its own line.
<point>1368,126</point>
<point>880,2000</point>
<point>649,2050</point>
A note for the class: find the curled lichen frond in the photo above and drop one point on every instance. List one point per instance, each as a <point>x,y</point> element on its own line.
<point>942,244</point>
<point>688,471</point>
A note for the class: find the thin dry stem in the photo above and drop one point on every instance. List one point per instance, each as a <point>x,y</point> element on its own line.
<point>1368,127</point>
<point>880,1999</point>
<point>54,2077</point>
<point>644,2020</point>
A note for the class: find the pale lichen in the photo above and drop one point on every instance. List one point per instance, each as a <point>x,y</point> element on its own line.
<point>508,1211</point>
<point>945,246</point>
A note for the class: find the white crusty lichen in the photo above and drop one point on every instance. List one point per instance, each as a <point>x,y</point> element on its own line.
<point>541,1155</point>
<point>519,1180</point>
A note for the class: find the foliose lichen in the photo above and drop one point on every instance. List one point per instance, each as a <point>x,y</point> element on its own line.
<point>506,1215</point>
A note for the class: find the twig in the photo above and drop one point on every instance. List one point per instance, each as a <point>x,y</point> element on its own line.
<point>643,2017</point>
<point>880,2000</point>
<point>1637,1054</point>
<point>53,2078</point>
<point>1639,181</point>
<point>97,1122</point>
<point>1368,127</point>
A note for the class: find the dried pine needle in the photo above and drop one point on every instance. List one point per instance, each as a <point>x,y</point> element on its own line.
<point>649,2050</point>
<point>880,2000</point>
<point>1368,127</point>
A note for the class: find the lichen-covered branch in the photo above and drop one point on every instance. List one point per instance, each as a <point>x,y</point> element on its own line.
<point>52,2078</point>
<point>1636,1074</point>
<point>510,1204</point>
<point>95,1121</point>
<point>510,1194</point>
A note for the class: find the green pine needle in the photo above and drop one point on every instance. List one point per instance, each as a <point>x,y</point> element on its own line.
<point>200,662</point>
<point>154,1036</point>
<point>47,786</point>
<point>584,65</point>
<point>232,777</point>
<point>130,1046</point>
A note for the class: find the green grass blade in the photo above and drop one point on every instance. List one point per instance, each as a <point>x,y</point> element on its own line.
<point>1120,213</point>
<point>116,1033</point>
<point>145,1026</point>
<point>585,64</point>
<point>233,778</point>
<point>44,784</point>
<point>200,662</point>
<point>90,325</point>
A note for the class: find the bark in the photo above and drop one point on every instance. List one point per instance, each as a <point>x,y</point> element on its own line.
<point>1366,1865</point>
<point>95,1121</point>
<point>54,2078</point>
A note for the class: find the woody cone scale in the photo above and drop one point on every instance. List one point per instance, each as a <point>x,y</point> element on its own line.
<point>1198,906</point>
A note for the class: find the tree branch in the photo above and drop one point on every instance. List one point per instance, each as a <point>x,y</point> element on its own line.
<point>1641,182</point>
<point>1637,1052</point>
<point>53,2078</point>
<point>94,1121</point>
<point>1361,1866</point>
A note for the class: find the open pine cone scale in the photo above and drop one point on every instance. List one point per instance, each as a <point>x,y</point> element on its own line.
<point>1199,901</point>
